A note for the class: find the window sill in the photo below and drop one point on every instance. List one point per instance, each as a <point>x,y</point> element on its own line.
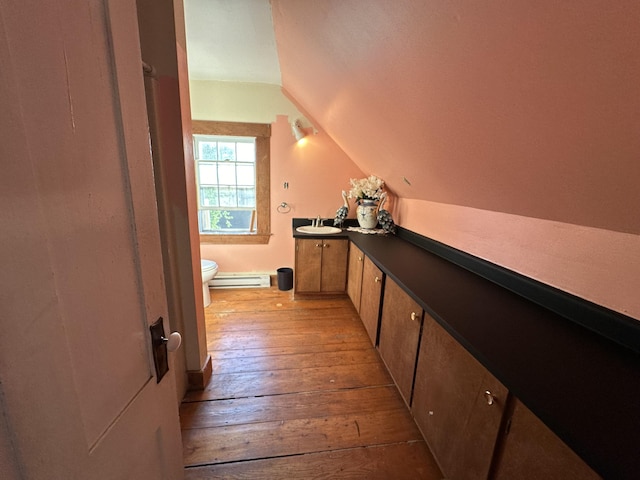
<point>246,239</point>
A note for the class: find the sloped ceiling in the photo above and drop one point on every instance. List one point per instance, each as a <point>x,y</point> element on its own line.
<point>231,41</point>
<point>530,108</point>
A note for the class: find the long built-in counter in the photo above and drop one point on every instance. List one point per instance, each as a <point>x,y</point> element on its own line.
<point>574,364</point>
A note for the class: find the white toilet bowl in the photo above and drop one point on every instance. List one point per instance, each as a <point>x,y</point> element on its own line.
<point>209,270</point>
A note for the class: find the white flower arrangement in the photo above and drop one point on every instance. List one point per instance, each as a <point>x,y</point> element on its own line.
<point>369,188</point>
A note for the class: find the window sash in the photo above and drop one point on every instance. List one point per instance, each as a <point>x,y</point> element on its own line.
<point>227,196</point>
<point>262,221</point>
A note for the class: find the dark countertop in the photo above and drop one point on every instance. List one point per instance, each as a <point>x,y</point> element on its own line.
<point>584,386</point>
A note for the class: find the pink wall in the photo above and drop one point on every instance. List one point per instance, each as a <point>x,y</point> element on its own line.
<point>162,46</point>
<point>521,107</point>
<point>317,171</point>
<point>197,351</point>
<point>599,265</point>
<point>516,124</point>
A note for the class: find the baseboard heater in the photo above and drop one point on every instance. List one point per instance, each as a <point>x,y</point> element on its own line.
<point>240,280</point>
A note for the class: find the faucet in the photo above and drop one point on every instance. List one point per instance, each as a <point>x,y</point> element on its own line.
<point>319,221</point>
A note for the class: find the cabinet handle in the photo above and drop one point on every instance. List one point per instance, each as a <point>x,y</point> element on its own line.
<point>359,259</point>
<point>489,397</point>
<point>377,279</point>
<point>325,245</point>
<point>318,245</point>
<point>414,316</point>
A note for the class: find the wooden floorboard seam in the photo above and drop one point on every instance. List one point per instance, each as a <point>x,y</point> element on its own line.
<point>390,409</point>
<point>302,454</point>
<point>308,392</point>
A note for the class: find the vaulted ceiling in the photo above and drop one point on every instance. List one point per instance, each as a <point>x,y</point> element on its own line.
<point>529,108</point>
<point>231,41</point>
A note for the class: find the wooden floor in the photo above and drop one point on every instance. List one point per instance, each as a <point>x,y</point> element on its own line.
<point>297,392</point>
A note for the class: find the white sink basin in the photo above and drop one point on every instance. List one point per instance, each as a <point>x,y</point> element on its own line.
<point>324,230</point>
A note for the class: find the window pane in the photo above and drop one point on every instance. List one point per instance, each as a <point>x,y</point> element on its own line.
<point>246,197</point>
<point>208,196</point>
<point>227,173</point>
<point>228,197</point>
<point>224,221</point>
<point>246,152</point>
<point>246,175</point>
<point>241,220</point>
<point>214,220</point>
<point>207,150</point>
<point>226,151</point>
<point>208,175</point>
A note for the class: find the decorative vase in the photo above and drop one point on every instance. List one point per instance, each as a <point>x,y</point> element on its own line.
<point>367,213</point>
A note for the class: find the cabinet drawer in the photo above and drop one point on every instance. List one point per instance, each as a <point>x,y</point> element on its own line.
<point>457,404</point>
<point>321,265</point>
<point>532,451</point>
<point>308,265</point>
<point>400,326</point>
<point>354,276</point>
<point>334,266</point>
<point>372,281</point>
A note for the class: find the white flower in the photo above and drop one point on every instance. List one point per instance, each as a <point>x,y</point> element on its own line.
<point>366,188</point>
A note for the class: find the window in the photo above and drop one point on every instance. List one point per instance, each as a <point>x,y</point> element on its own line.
<point>226,176</point>
<point>232,176</point>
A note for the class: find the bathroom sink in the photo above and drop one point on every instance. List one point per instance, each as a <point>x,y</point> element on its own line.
<point>324,230</point>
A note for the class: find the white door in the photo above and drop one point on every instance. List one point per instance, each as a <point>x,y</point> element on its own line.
<point>80,262</point>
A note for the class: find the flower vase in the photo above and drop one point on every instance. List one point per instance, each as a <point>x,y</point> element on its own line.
<point>367,213</point>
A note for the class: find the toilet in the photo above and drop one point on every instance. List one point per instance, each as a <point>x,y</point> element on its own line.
<point>209,270</point>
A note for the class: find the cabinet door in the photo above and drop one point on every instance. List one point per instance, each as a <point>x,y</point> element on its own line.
<point>308,265</point>
<point>530,451</point>
<point>399,335</point>
<point>457,404</point>
<point>370,301</point>
<point>334,265</point>
<point>354,280</point>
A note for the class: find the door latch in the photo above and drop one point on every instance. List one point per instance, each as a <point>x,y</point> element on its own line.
<point>161,345</point>
<point>159,349</point>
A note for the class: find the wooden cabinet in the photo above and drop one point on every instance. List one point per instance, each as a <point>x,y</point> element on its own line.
<point>400,326</point>
<point>321,265</point>
<point>530,451</point>
<point>354,279</point>
<point>364,287</point>
<point>457,404</point>
<point>372,281</point>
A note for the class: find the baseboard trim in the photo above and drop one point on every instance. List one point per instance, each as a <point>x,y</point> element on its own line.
<point>198,379</point>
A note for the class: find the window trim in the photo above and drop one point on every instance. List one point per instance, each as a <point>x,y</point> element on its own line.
<point>262,134</point>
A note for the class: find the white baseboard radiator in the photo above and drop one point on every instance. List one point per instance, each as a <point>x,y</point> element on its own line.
<point>241,280</point>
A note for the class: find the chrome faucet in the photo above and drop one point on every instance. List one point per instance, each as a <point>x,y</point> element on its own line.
<point>319,221</point>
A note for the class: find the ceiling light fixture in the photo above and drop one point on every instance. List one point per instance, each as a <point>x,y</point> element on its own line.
<point>296,129</point>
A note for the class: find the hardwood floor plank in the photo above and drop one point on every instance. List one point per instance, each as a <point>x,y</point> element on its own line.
<point>298,392</point>
<point>317,308</point>
<point>291,336</point>
<point>251,300</point>
<point>225,322</point>
<point>299,360</point>
<point>283,336</point>
<point>292,381</point>
<point>403,461</point>
<point>288,350</point>
<point>288,407</point>
<point>293,437</point>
